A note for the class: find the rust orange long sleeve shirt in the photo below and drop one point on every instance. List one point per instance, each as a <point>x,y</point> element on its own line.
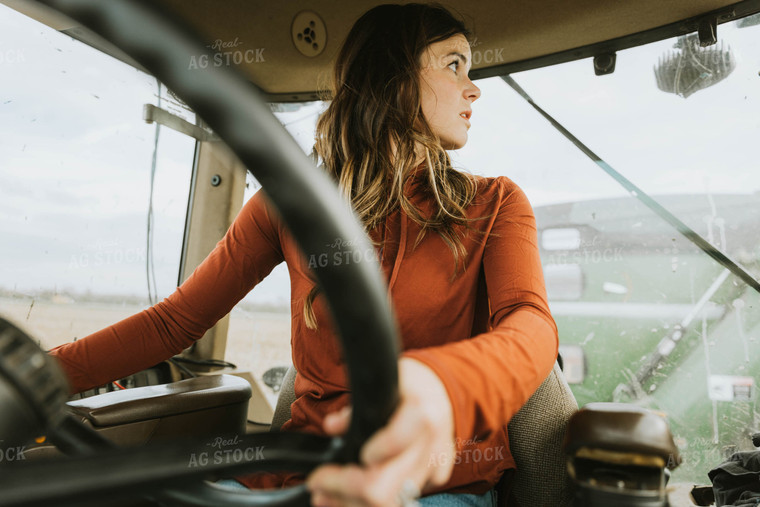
<point>487,332</point>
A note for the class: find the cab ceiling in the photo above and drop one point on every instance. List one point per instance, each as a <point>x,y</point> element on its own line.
<point>507,33</point>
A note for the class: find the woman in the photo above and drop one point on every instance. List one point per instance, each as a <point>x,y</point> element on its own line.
<point>459,254</point>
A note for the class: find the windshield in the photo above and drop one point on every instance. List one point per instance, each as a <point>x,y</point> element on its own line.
<point>645,316</point>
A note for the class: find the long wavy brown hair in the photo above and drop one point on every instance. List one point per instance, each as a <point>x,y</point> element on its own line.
<point>373,133</point>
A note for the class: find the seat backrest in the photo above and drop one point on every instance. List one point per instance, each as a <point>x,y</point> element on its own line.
<point>535,439</point>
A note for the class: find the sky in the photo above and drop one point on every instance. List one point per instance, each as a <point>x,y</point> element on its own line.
<point>75,155</point>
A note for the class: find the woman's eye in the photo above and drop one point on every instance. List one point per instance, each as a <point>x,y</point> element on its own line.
<point>454,66</point>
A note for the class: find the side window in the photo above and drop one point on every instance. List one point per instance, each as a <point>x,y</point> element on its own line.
<point>77,183</point>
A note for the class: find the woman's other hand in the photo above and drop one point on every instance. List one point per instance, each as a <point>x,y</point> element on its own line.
<point>414,450</point>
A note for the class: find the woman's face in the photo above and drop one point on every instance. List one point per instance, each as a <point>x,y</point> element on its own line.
<point>446,91</point>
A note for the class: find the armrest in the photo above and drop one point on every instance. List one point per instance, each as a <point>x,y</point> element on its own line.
<point>155,402</point>
<point>621,433</point>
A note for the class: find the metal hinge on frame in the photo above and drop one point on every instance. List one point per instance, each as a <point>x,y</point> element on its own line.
<point>155,114</point>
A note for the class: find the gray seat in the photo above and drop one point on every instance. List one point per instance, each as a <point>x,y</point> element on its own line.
<point>535,438</point>
<point>286,398</point>
<point>536,433</point>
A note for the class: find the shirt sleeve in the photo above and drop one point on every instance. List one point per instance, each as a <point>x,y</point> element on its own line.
<point>490,376</point>
<point>247,253</point>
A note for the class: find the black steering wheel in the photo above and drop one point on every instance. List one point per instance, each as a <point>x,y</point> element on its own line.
<point>316,214</point>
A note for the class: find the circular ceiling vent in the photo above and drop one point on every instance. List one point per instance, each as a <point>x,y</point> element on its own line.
<point>309,33</point>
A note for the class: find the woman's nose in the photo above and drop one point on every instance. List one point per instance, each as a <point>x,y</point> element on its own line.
<point>471,92</point>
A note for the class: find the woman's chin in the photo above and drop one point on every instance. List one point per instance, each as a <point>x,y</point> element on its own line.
<point>454,145</point>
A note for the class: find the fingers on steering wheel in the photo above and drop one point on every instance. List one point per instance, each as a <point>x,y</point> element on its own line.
<point>403,430</point>
<point>376,486</point>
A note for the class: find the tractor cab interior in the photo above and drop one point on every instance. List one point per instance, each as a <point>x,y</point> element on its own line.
<point>629,125</point>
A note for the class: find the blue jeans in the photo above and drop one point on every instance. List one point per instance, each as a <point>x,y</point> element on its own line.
<point>439,500</point>
<point>459,500</point>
